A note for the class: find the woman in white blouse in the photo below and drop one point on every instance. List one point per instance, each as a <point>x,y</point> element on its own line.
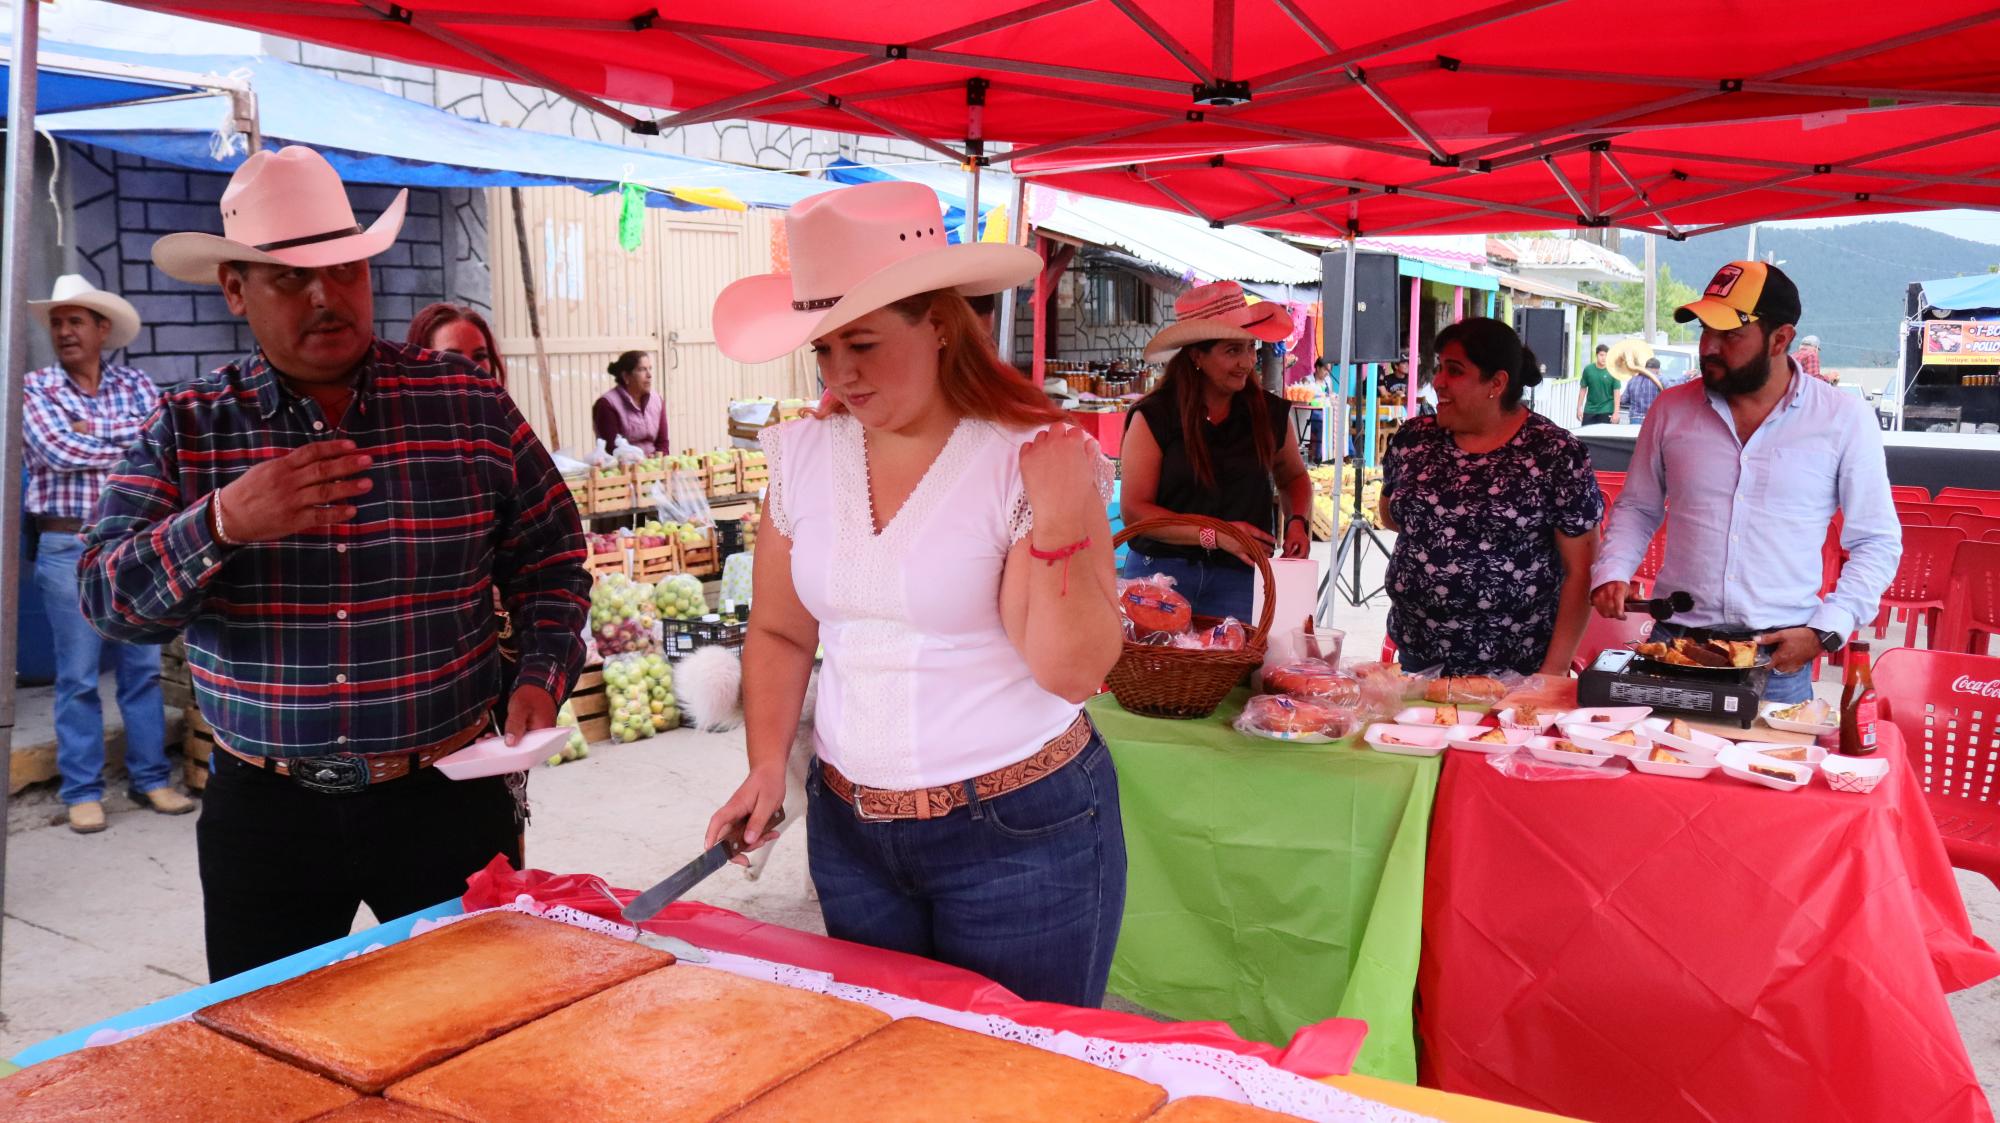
<point>951,551</point>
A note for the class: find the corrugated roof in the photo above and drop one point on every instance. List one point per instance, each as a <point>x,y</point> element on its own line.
<point>1177,244</point>
<point>1554,292</point>
<point>1582,260</point>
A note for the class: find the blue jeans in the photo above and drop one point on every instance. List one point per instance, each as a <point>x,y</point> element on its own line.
<point>1027,889</point>
<point>79,712</point>
<point>1785,688</point>
<point>1213,590</point>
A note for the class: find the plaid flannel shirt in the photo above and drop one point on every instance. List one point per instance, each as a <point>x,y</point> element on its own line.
<point>67,469</point>
<point>374,635</point>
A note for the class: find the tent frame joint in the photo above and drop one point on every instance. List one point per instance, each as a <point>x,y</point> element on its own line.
<point>1448,63</point>
<point>1221,93</point>
<point>645,20</point>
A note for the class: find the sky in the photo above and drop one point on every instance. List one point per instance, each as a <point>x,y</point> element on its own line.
<point>1977,226</point>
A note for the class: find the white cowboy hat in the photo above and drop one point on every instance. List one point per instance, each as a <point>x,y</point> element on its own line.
<point>283,208</point>
<point>72,291</point>
<point>1219,311</point>
<point>854,250</point>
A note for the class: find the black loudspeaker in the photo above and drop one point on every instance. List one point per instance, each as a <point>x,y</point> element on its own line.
<point>1376,293</point>
<point>1542,330</point>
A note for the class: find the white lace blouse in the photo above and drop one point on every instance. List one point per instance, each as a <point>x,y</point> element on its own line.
<point>921,685</point>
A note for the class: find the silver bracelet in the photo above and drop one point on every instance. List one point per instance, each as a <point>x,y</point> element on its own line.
<point>221,529</point>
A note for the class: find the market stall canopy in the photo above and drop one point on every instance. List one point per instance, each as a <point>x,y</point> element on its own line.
<point>375,137</point>
<point>1980,291</point>
<point>1461,115</point>
<point>1154,240</point>
<point>65,82</point>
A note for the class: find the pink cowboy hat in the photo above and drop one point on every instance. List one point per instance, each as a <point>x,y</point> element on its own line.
<point>854,250</point>
<point>282,208</point>
<point>1219,311</point>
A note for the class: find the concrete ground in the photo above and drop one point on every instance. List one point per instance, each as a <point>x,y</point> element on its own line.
<point>95,925</point>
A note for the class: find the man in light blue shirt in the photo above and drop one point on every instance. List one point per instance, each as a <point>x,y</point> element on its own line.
<point>1748,467</point>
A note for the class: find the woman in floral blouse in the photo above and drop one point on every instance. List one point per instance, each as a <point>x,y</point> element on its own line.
<point>1496,511</point>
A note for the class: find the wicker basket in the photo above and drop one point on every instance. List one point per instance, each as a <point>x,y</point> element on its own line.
<point>1176,682</point>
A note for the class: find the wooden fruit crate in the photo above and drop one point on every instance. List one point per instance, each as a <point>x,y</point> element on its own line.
<point>197,746</point>
<point>752,477</point>
<point>610,492</point>
<point>643,483</point>
<point>726,479</point>
<point>591,707</point>
<point>704,560</point>
<point>616,562</point>
<point>653,563</point>
<point>176,681</point>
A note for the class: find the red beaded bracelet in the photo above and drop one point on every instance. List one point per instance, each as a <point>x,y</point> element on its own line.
<point>1061,555</point>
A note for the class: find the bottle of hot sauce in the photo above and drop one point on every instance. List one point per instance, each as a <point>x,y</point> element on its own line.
<point>1857,703</point>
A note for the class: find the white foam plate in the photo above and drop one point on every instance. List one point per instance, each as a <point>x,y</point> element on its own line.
<point>493,756</point>
<point>1696,768</point>
<point>1814,754</point>
<point>1465,737</point>
<point>1856,775</point>
<point>1410,740</point>
<point>1545,720</point>
<point>1541,748</point>
<point>1699,745</point>
<point>1736,761</point>
<point>1593,737</point>
<point>1426,715</point>
<point>1614,718</point>
<point>1769,708</point>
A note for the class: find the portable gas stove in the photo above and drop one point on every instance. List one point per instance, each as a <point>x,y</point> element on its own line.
<point>1621,677</point>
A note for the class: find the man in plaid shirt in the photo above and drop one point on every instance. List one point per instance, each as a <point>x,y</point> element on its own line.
<point>327,519</point>
<point>79,417</point>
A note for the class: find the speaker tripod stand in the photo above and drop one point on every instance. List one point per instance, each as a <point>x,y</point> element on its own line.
<point>1353,545</point>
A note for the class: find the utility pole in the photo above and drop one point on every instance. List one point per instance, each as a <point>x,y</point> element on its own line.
<point>1752,255</point>
<point>1652,289</point>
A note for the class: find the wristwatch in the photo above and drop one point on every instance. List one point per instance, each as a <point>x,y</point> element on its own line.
<point>1830,642</point>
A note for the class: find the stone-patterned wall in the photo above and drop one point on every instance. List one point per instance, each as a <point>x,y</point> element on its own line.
<point>119,205</point>
<point>1076,340</point>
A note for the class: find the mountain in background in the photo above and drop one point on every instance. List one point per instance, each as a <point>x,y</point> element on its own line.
<point>1852,278</point>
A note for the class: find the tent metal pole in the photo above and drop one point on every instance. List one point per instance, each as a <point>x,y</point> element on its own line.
<point>1275,80</point>
<point>1165,39</point>
<point>1640,193</point>
<point>21,92</point>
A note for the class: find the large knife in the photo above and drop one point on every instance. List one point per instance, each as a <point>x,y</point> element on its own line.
<point>647,905</point>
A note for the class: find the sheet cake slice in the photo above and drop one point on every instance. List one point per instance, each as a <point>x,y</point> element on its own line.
<point>374,1019</point>
<point>178,1073</point>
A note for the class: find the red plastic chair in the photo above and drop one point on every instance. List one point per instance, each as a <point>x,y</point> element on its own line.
<point>1602,634</point>
<point>1922,579</point>
<point>1908,510</point>
<point>1910,493</point>
<point>1941,513</point>
<point>1913,518</point>
<point>1972,615</point>
<point>1974,526</point>
<point>1952,737</point>
<point>1973,495</point>
<point>1990,536</point>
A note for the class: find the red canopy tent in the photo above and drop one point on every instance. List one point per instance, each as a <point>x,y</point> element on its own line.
<point>1300,114</point>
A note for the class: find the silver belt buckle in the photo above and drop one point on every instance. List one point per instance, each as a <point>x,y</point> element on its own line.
<point>864,816</point>
<point>339,774</point>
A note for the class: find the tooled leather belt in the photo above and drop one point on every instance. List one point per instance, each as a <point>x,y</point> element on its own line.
<point>933,803</point>
<point>352,772</point>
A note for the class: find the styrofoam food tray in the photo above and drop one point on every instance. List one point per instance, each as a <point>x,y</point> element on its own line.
<point>1614,718</point>
<point>1814,754</point>
<point>1769,708</point>
<point>1736,760</point>
<point>1541,748</point>
<point>1702,745</point>
<point>1698,765</point>
<point>1546,719</point>
<point>493,757</point>
<point>1422,740</point>
<point>1428,715</point>
<point>1592,737</point>
<point>1856,775</point>
<point>1463,737</point>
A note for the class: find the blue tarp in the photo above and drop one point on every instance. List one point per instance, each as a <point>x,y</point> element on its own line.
<point>930,175</point>
<point>374,137</point>
<point>1959,293</point>
<point>58,90</point>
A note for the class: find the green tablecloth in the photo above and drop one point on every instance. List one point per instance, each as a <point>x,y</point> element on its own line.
<point>1271,885</point>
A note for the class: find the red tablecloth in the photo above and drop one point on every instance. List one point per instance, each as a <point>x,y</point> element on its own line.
<point>1107,427</point>
<point>1656,949</point>
<point>1315,1051</point>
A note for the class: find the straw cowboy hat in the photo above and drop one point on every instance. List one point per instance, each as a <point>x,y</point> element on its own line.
<point>1628,358</point>
<point>281,208</point>
<point>72,291</point>
<point>1219,311</point>
<point>854,250</point>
